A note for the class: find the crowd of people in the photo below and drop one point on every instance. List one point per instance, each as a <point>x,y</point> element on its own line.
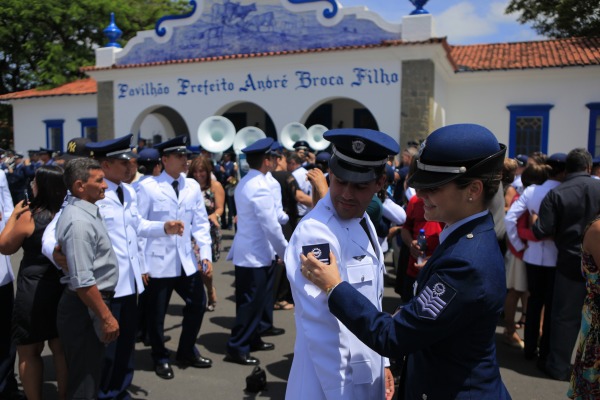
<point>474,236</point>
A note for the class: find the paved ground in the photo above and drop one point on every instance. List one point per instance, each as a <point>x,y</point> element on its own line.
<point>227,381</point>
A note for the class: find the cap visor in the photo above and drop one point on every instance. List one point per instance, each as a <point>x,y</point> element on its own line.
<point>124,156</point>
<point>428,180</point>
<point>349,175</point>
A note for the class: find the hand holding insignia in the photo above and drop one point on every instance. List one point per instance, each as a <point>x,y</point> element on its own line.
<point>323,275</point>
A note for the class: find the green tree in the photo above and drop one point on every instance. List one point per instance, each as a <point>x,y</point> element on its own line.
<point>559,18</point>
<point>45,42</point>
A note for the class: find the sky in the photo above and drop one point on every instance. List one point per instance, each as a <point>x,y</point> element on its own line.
<point>462,21</point>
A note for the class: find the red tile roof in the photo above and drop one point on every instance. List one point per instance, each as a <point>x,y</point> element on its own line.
<point>555,53</point>
<point>82,86</point>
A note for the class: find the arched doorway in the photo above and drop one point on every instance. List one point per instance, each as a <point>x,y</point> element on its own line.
<point>158,124</point>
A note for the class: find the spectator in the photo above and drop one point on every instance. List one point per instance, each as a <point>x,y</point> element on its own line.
<point>38,284</point>
<point>540,261</point>
<point>564,213</point>
<point>585,380</point>
<point>516,274</point>
<point>214,200</point>
<point>84,320</point>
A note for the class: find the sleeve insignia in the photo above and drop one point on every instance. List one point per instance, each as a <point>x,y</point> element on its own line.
<point>434,298</point>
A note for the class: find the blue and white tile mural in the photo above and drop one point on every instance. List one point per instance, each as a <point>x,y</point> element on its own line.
<point>226,27</point>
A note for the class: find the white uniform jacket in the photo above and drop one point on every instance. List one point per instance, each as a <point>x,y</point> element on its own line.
<point>542,252</point>
<point>329,361</point>
<point>6,210</point>
<point>259,233</point>
<point>157,202</point>
<point>124,224</point>
<point>304,185</point>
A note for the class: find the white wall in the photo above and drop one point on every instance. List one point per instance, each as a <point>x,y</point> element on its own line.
<point>29,114</point>
<point>284,105</point>
<point>482,97</point>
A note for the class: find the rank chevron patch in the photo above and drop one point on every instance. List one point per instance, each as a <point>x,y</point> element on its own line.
<point>434,298</point>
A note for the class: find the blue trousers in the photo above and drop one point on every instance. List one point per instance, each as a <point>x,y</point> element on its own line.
<point>118,365</point>
<point>159,290</point>
<point>266,320</point>
<point>251,297</point>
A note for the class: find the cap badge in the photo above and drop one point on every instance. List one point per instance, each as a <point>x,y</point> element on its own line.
<point>358,146</point>
<point>422,147</point>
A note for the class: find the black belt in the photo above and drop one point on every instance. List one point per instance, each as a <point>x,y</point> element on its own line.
<point>107,294</point>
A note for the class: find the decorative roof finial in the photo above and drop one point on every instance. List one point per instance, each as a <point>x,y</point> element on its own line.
<point>112,32</point>
<point>419,7</point>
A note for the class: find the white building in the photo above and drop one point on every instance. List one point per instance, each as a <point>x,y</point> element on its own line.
<point>271,63</point>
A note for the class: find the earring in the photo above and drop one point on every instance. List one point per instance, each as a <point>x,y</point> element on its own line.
<point>470,199</point>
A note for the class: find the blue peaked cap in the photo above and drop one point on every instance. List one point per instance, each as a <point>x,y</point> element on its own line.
<point>261,146</point>
<point>457,151</point>
<point>119,148</point>
<point>359,155</point>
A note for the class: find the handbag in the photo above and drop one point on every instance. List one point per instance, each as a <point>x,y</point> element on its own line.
<point>256,381</point>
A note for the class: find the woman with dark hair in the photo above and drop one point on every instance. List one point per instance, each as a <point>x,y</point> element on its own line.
<point>214,200</point>
<point>38,283</point>
<point>447,331</point>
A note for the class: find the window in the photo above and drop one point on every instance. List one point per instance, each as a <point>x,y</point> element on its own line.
<point>89,128</point>
<point>54,134</point>
<point>528,128</point>
<point>594,129</point>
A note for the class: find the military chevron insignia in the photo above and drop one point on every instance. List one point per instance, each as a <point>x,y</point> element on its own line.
<point>434,298</point>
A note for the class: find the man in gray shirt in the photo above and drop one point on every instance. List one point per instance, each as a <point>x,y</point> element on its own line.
<point>84,321</point>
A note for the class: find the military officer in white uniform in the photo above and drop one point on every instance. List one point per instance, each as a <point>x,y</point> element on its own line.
<point>258,235</point>
<point>8,383</point>
<point>120,214</point>
<point>170,261</point>
<point>329,361</point>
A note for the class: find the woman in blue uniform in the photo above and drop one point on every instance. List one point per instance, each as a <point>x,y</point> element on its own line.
<point>447,331</point>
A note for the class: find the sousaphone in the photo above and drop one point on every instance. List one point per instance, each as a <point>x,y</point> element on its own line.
<point>216,134</point>
<point>315,137</point>
<point>292,133</point>
<point>246,136</point>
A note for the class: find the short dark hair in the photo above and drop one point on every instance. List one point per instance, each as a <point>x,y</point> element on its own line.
<point>535,174</point>
<point>255,160</point>
<point>294,157</point>
<point>79,169</point>
<point>145,167</point>
<point>578,160</point>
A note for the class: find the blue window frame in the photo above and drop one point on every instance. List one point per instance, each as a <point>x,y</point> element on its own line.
<point>89,128</point>
<point>528,128</point>
<point>594,129</point>
<point>54,133</point>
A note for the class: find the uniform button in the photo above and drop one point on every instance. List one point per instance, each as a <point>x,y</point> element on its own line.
<point>130,242</point>
<point>362,278</point>
<point>424,396</point>
<point>470,236</point>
